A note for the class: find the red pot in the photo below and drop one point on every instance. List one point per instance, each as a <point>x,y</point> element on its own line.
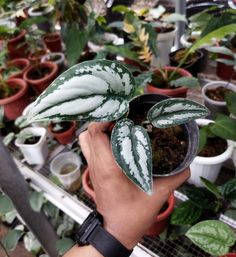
<point>224,71</point>
<point>229,255</point>
<point>21,63</point>
<point>17,46</point>
<point>36,57</point>
<point>162,219</point>
<point>53,42</point>
<point>66,137</point>
<point>136,64</point>
<point>87,185</point>
<point>14,105</point>
<point>177,92</point>
<point>40,84</point>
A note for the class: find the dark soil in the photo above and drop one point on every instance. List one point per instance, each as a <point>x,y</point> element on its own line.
<point>54,58</point>
<point>41,9</point>
<point>169,146</point>
<point>192,58</point>
<point>214,146</point>
<point>12,91</point>
<point>39,73</point>
<point>218,94</point>
<point>32,140</point>
<point>192,39</point>
<point>164,29</point>
<point>66,125</point>
<point>160,82</point>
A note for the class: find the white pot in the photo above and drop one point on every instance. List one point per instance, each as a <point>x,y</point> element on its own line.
<point>60,62</point>
<point>36,153</point>
<point>216,106</point>
<point>165,41</point>
<point>234,155</point>
<point>184,39</point>
<point>60,161</point>
<point>208,167</point>
<point>32,13</point>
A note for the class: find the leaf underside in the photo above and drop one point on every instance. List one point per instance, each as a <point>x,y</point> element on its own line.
<point>132,150</point>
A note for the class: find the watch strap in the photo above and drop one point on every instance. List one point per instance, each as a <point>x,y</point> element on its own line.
<point>107,244</point>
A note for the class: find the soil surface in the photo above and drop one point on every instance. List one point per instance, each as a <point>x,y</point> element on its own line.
<point>214,146</point>
<point>169,146</point>
<point>12,91</point>
<point>192,58</point>
<point>163,82</point>
<point>39,73</point>
<point>32,140</point>
<point>65,125</point>
<point>218,94</point>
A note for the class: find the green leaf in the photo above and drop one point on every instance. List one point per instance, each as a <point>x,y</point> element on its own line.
<point>229,189</point>
<point>8,138</point>
<point>11,239</point>
<point>10,216</point>
<point>220,50</point>
<point>32,21</point>
<point>227,62</point>
<point>50,210</point>
<point>224,127</point>
<point>231,214</point>
<point>152,38</point>
<point>174,17</point>
<point>189,82</point>
<point>132,150</point>
<point>64,244</point>
<point>31,243</point>
<point>186,213</point>
<point>121,9</point>
<point>143,79</point>
<point>21,122</point>
<point>214,237</point>
<point>6,204</point>
<point>202,138</point>
<point>36,200</point>
<point>231,102</point>
<point>172,112</point>
<point>94,90</point>
<point>211,187</point>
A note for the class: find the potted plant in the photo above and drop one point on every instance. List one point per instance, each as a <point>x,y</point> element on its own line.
<point>21,64</point>
<point>63,131</point>
<point>53,42</point>
<point>110,102</point>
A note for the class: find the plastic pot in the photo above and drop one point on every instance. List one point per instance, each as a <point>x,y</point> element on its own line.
<point>14,105</point>
<point>34,153</point>
<point>60,62</point>
<point>216,106</point>
<point>39,85</point>
<point>63,161</point>
<point>53,42</point>
<point>87,185</point>
<point>224,71</point>
<point>162,218</point>
<point>208,167</point>
<point>22,64</point>
<point>176,92</point>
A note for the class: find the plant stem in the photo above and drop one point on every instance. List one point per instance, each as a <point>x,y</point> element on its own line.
<point>4,249</point>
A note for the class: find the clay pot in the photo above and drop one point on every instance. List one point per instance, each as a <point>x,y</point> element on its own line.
<point>22,64</point>
<point>53,42</point>
<point>14,105</point>
<point>162,218</point>
<point>176,92</point>
<point>87,185</point>
<point>229,255</point>
<point>36,57</point>
<point>40,84</point>
<point>224,71</point>
<point>17,46</point>
<point>65,137</point>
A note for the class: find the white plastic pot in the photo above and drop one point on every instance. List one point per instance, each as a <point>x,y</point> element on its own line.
<point>208,167</point>
<point>60,62</point>
<point>212,105</point>
<point>184,39</point>
<point>61,161</point>
<point>165,42</point>
<point>35,153</point>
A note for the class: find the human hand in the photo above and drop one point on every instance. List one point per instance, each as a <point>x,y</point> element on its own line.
<point>127,211</point>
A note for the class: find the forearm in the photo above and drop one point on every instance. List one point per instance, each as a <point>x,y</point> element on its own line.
<point>83,251</point>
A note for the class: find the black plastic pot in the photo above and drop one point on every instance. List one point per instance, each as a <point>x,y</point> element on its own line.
<point>195,67</point>
<point>191,131</point>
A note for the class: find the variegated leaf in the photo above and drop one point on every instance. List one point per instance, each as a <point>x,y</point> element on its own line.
<point>132,150</point>
<point>94,90</point>
<point>175,111</point>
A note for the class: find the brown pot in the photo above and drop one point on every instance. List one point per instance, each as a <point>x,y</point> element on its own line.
<point>40,84</point>
<point>176,92</point>
<point>65,137</point>
<point>17,46</point>
<point>36,57</point>
<point>162,218</point>
<point>229,255</point>
<point>14,105</point>
<point>22,64</point>
<point>53,42</point>
<point>224,71</point>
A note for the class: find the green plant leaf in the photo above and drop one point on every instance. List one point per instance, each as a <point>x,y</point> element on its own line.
<point>152,38</point>
<point>189,82</point>
<point>231,214</point>
<point>229,189</point>
<point>6,204</point>
<point>143,79</point>
<point>211,187</point>
<point>172,112</point>
<point>224,127</point>
<point>214,237</point>
<point>121,9</point>
<point>227,62</point>
<point>11,239</point>
<point>94,90</point>
<point>36,200</point>
<point>31,243</point>
<point>186,213</point>
<point>64,244</point>
<point>202,138</point>
<point>8,138</point>
<point>132,150</point>
<point>231,102</point>
<point>220,50</point>
<point>32,21</point>
<point>174,17</point>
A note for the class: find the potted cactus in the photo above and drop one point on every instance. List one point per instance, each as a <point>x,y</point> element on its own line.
<point>101,91</point>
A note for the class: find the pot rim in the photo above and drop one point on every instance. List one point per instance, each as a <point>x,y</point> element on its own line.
<point>32,13</point>
<point>17,38</point>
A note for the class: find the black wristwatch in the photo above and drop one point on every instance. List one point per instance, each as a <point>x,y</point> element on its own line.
<point>91,232</point>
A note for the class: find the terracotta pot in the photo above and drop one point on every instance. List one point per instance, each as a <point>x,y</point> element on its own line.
<point>225,71</point>
<point>162,219</point>
<point>22,64</point>
<point>36,57</point>
<point>87,185</point>
<point>176,92</point>
<point>65,137</point>
<point>39,85</point>
<point>53,42</point>
<point>14,105</point>
<point>17,46</point>
<point>229,255</point>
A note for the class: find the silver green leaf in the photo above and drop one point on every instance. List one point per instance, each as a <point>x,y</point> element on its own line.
<point>212,236</point>
<point>132,150</point>
<point>175,111</point>
<point>94,90</point>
